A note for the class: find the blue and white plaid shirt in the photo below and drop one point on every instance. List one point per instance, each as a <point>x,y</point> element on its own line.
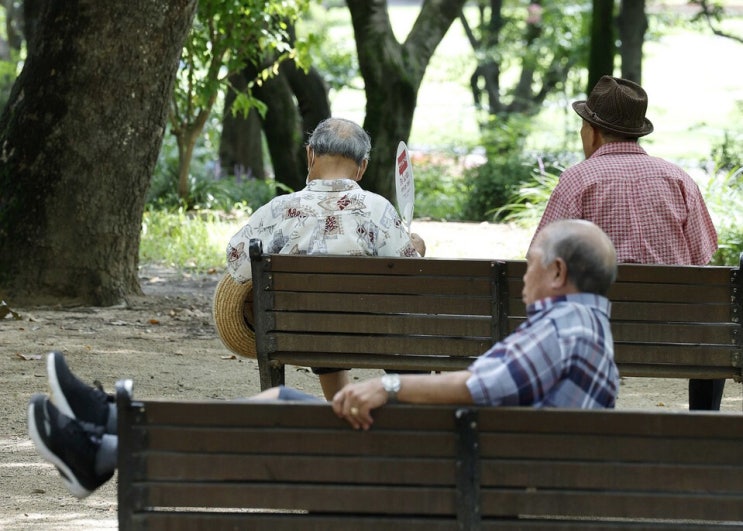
<point>561,356</point>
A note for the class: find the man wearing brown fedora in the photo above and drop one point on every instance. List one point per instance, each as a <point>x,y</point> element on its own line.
<point>651,209</point>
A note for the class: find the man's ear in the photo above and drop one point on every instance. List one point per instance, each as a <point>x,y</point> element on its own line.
<point>560,275</point>
<point>362,169</point>
<point>597,138</point>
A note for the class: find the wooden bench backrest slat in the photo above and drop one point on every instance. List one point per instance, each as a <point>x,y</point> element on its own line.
<point>372,324</point>
<point>391,304</point>
<point>301,521</point>
<point>652,274</point>
<point>607,475</point>
<point>382,284</point>
<point>172,466</point>
<point>373,264</point>
<point>591,504</point>
<point>288,345</point>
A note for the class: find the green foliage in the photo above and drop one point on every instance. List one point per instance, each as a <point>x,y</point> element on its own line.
<point>226,37</point>
<point>327,39</point>
<point>724,197</point>
<point>440,193</point>
<point>183,240</point>
<point>728,154</point>
<point>526,206</point>
<point>208,188</point>
<point>8,74</point>
<point>493,184</point>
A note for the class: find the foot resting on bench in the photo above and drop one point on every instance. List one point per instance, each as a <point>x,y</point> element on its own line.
<point>76,399</point>
<point>78,449</point>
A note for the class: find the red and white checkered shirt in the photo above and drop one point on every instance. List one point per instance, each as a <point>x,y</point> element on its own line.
<point>651,209</point>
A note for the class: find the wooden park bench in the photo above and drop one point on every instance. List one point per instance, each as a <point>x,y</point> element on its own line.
<point>439,314</point>
<point>282,466</point>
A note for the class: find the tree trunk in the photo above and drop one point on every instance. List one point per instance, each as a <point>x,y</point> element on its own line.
<point>632,23</point>
<point>78,141</point>
<point>392,75</point>
<point>601,54</point>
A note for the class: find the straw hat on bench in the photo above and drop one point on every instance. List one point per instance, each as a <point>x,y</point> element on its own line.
<point>233,315</point>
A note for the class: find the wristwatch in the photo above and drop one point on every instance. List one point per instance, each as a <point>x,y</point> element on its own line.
<point>391,384</point>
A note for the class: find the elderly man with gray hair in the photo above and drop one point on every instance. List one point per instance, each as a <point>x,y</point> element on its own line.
<point>331,215</point>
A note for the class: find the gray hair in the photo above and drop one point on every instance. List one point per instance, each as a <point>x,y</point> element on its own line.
<point>337,136</point>
<point>589,255</point>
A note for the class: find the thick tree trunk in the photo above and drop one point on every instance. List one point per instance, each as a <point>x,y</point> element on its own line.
<point>392,75</point>
<point>632,23</point>
<point>601,53</point>
<point>78,142</point>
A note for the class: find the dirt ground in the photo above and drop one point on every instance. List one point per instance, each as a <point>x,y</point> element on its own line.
<point>166,342</point>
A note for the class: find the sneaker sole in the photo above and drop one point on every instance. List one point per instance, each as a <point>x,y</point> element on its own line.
<point>58,397</point>
<point>68,478</point>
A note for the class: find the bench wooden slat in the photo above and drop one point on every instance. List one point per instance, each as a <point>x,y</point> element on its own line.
<point>386,499</point>
<point>375,303</point>
<point>552,474</point>
<point>626,448</point>
<point>284,344</point>
<point>711,335</point>
<point>371,324</point>
<point>371,264</point>
<point>194,521</point>
<point>384,284</point>
<point>650,273</point>
<point>218,440</point>
<point>607,504</point>
<point>662,293</point>
<point>171,466</point>
<point>198,521</point>
<point>682,355</point>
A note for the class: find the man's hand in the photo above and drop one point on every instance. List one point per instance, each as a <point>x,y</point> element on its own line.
<point>355,401</point>
<point>418,243</point>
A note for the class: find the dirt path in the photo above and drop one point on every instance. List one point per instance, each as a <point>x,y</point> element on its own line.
<point>166,342</point>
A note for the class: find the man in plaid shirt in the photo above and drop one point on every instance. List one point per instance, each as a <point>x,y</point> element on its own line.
<point>651,209</point>
<point>561,356</point>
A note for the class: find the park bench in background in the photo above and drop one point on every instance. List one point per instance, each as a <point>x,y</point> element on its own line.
<point>439,314</point>
<point>295,466</point>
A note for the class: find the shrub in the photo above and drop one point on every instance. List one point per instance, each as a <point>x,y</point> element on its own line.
<point>724,197</point>
<point>440,192</point>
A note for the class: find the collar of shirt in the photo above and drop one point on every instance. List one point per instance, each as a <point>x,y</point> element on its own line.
<point>587,299</point>
<point>332,185</point>
<point>613,148</point>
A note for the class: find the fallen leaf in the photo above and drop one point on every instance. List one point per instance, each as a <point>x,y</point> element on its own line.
<point>154,322</point>
<point>233,357</point>
<point>29,357</point>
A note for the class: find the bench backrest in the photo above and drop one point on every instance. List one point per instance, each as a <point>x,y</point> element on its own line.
<point>667,321</point>
<point>439,314</point>
<point>289,466</point>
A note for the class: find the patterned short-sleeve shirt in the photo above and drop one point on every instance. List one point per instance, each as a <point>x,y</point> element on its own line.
<point>326,217</point>
<point>561,356</point>
<point>651,209</point>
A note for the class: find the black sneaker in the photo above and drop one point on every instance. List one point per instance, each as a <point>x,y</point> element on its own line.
<point>68,444</point>
<point>74,398</point>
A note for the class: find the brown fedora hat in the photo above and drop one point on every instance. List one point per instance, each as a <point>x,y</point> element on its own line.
<point>618,106</point>
<point>232,310</point>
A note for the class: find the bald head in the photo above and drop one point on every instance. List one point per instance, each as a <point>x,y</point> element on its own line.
<point>587,251</point>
